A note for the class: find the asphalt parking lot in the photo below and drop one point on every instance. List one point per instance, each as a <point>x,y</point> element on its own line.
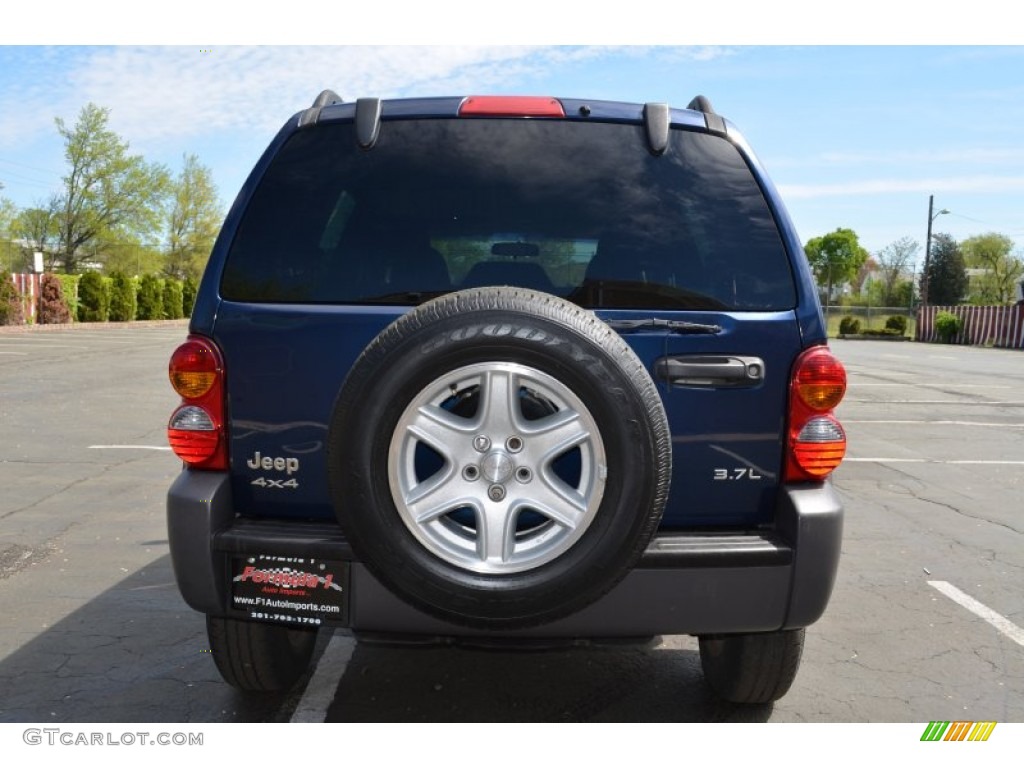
<point>925,621</point>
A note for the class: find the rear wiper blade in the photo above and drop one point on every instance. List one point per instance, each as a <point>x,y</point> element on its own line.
<point>654,323</point>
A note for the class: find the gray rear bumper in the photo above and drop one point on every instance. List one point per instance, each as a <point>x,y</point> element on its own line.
<point>686,583</point>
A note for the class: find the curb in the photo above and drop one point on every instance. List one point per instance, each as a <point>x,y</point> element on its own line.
<point>863,337</point>
<point>35,328</point>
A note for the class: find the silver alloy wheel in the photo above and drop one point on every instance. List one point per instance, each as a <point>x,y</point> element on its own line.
<point>497,505</point>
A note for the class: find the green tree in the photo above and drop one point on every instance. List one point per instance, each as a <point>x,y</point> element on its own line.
<point>8,212</point>
<point>944,281</point>
<point>173,299</point>
<point>123,298</point>
<point>8,250</point>
<point>37,229</point>
<point>189,289</point>
<point>880,296</point>
<point>151,299</point>
<point>93,298</point>
<point>1000,272</point>
<point>131,257</point>
<point>193,221</point>
<point>835,257</point>
<point>69,284</point>
<point>108,193</point>
<point>893,265</point>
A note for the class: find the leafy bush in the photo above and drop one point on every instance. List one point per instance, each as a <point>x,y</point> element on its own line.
<point>947,325</point>
<point>93,298</point>
<point>52,308</point>
<point>173,299</point>
<point>189,289</point>
<point>12,312</point>
<point>123,301</point>
<point>883,332</point>
<point>849,326</point>
<point>69,283</point>
<point>151,299</point>
<point>897,323</point>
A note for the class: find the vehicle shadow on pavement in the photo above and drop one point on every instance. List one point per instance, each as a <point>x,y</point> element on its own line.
<point>135,653</point>
<point>612,683</point>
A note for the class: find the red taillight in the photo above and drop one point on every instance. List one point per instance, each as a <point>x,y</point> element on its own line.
<point>196,431</point>
<point>816,440</point>
<point>511,106</point>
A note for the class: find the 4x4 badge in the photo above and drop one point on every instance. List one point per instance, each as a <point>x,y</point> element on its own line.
<point>269,482</point>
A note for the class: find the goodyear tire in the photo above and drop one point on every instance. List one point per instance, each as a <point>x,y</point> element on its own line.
<point>499,458</point>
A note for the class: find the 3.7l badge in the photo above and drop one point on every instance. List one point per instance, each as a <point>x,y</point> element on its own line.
<point>737,473</point>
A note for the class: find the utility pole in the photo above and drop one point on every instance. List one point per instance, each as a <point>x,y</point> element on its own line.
<point>928,248</point>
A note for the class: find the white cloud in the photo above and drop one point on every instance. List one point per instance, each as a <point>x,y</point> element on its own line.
<point>953,184</point>
<point>161,92</point>
<point>156,93</point>
<point>963,155</point>
<point>182,91</point>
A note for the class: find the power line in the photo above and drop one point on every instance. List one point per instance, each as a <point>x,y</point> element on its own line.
<point>30,167</point>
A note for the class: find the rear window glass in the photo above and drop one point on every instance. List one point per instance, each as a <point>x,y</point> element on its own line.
<point>580,210</point>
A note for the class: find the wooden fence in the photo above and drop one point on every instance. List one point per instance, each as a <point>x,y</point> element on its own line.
<point>993,326</point>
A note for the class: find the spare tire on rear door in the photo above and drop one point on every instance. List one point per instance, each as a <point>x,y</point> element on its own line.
<point>499,458</point>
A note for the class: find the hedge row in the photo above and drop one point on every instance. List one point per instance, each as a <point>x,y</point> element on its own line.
<point>95,298</point>
<point>896,325</point>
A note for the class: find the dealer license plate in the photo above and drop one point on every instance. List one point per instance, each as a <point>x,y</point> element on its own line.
<point>290,590</point>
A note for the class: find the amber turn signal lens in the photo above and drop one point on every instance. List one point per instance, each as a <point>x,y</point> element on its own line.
<point>821,380</point>
<point>193,370</point>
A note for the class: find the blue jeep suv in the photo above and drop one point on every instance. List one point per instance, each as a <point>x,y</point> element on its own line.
<point>507,368</point>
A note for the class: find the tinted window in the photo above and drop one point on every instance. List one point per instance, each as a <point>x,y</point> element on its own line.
<point>580,210</point>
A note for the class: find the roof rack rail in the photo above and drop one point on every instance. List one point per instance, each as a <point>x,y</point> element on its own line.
<point>367,122</point>
<point>712,119</point>
<point>323,99</point>
<point>656,120</point>
<point>701,104</point>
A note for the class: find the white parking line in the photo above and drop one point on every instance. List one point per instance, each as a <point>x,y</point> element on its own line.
<point>43,344</point>
<point>885,460</point>
<point>936,402</point>
<point>893,460</point>
<point>319,693</point>
<point>138,447</point>
<point>858,384</point>
<point>997,620</point>
<point>937,421</point>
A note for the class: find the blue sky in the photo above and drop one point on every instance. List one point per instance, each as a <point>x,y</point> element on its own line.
<point>854,135</point>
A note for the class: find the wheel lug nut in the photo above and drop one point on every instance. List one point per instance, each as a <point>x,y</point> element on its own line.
<point>514,444</point>
<point>496,493</point>
<point>524,475</point>
<point>481,443</point>
<point>470,472</point>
